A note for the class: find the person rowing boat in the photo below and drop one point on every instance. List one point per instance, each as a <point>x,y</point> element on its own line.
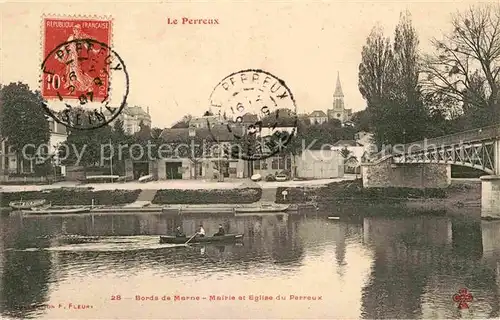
<point>221,231</point>
<point>200,232</point>
<point>179,233</point>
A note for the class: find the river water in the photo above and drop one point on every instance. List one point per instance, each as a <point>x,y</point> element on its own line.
<point>363,267</point>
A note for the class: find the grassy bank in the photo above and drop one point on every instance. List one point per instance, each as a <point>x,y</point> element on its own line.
<point>68,197</point>
<point>230,196</point>
<point>353,190</point>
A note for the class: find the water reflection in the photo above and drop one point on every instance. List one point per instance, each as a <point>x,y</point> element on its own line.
<point>420,263</point>
<point>383,267</point>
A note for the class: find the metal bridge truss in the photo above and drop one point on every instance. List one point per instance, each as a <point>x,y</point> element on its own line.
<point>480,155</point>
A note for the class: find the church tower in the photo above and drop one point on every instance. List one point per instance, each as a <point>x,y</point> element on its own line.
<point>338,110</point>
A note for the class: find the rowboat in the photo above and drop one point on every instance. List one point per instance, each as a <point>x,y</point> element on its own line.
<point>56,211</point>
<point>262,208</point>
<point>181,240</point>
<point>146,178</point>
<point>27,204</point>
<point>256,177</point>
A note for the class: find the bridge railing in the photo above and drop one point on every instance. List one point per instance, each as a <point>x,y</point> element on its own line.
<point>460,138</point>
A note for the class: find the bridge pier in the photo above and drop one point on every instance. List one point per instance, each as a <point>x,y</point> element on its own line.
<point>490,188</point>
<point>490,197</point>
<point>385,174</point>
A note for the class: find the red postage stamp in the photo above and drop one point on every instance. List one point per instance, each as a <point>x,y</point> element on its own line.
<point>75,53</point>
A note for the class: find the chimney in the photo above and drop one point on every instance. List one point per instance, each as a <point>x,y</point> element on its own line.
<point>192,131</point>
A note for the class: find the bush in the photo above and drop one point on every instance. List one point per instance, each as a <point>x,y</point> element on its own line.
<point>169,196</point>
<point>68,197</point>
<point>270,177</point>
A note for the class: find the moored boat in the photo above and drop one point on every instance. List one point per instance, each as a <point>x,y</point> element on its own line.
<point>27,204</point>
<point>262,208</point>
<point>182,240</point>
<point>146,178</point>
<point>56,211</point>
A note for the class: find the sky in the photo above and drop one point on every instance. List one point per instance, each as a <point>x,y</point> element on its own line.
<point>174,68</point>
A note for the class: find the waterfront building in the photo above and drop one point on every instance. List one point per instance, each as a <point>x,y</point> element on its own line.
<point>198,165</point>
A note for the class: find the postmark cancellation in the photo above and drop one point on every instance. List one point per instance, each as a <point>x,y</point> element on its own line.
<point>77,69</point>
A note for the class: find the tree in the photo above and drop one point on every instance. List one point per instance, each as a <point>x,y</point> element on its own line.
<point>362,120</point>
<point>83,147</point>
<point>376,80</point>
<point>23,120</point>
<point>466,65</point>
<point>410,114</point>
<point>389,82</point>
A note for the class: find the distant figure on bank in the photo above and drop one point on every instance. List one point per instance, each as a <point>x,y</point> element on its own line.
<point>179,233</point>
<point>221,231</point>
<point>201,231</point>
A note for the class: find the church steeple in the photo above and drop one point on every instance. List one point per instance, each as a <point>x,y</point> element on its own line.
<point>338,87</point>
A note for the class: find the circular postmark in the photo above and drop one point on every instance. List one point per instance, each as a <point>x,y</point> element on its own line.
<point>76,84</point>
<point>256,112</point>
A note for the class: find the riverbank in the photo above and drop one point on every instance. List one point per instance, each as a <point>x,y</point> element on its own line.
<point>85,197</point>
<point>175,185</point>
<point>460,196</point>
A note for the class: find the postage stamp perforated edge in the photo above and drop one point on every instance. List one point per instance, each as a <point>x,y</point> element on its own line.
<point>72,17</point>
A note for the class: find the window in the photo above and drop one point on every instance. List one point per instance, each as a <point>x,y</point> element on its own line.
<point>274,164</point>
<point>281,163</point>
<point>52,126</point>
<point>26,166</point>
<point>256,164</point>
<point>288,163</point>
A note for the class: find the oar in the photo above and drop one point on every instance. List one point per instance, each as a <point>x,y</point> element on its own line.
<point>194,235</point>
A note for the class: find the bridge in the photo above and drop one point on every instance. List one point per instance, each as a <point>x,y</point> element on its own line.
<point>427,164</point>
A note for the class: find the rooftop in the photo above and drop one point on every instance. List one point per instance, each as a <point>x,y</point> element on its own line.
<point>135,111</point>
<point>317,114</point>
<point>347,143</point>
<point>220,132</point>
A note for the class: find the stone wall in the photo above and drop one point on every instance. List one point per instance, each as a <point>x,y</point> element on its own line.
<point>388,174</point>
<point>490,197</point>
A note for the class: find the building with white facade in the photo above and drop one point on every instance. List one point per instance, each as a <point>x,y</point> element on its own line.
<point>132,118</point>
<point>318,117</point>
<point>9,162</point>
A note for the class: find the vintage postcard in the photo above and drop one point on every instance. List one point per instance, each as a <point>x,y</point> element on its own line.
<point>250,160</point>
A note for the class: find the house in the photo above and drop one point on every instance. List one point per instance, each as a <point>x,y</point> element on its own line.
<point>132,118</point>
<point>366,139</point>
<point>352,165</point>
<point>204,122</point>
<point>192,154</point>
<point>318,117</point>
<point>9,162</point>
<point>355,149</point>
<point>58,135</point>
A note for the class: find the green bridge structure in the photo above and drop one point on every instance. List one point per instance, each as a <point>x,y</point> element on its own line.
<point>427,164</point>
